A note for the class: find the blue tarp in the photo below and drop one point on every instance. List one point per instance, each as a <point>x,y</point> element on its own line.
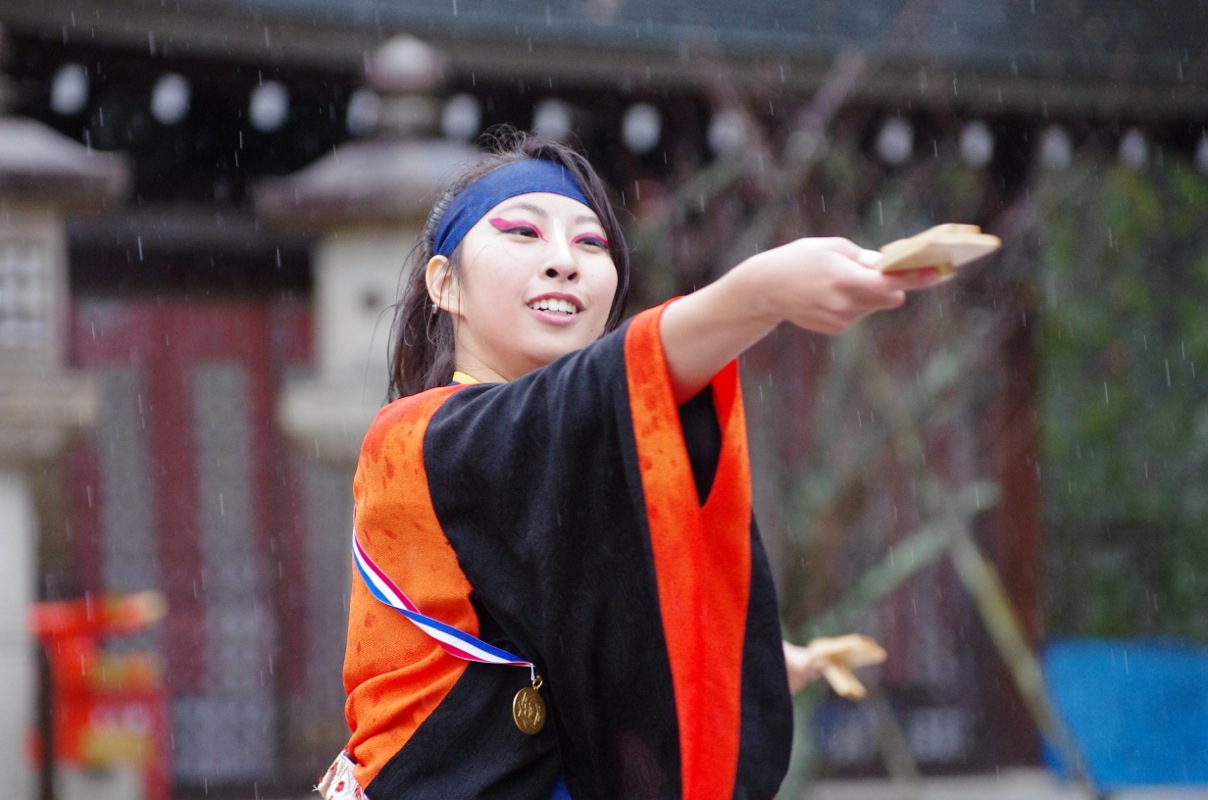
<point>1137,709</point>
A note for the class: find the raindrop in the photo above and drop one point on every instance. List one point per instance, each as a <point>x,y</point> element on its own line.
<point>268,106</point>
<point>895,141</point>
<point>69,90</point>
<point>1056,150</point>
<point>1134,149</point>
<point>552,118</point>
<point>170,98</point>
<point>977,144</point>
<point>641,127</point>
<point>364,111</point>
<point>461,117</point>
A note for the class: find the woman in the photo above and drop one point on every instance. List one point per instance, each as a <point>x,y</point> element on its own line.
<point>563,516</point>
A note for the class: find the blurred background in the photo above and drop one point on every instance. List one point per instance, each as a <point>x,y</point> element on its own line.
<point>205,206</point>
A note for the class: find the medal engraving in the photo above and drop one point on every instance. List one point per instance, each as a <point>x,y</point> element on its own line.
<point>528,709</point>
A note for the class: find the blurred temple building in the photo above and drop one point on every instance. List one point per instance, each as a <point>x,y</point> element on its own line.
<point>204,209</point>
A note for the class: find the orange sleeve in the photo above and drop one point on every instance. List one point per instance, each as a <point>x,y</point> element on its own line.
<point>394,673</point>
<point>702,557</point>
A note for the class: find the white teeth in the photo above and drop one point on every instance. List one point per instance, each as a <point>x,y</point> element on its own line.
<point>556,306</point>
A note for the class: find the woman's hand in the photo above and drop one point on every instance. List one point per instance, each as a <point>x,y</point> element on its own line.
<point>799,662</point>
<point>824,285</point>
<point>834,658</point>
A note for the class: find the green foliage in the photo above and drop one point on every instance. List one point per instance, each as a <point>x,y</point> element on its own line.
<point>1123,270</point>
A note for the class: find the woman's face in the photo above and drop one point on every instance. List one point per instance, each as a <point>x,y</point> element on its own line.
<point>536,281</point>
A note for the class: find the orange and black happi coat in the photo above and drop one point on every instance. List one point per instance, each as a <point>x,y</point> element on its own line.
<point>577,518</point>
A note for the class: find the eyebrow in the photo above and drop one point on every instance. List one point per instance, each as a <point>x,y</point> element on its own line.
<point>582,219</point>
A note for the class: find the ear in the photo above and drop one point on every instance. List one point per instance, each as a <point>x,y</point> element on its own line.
<point>442,283</point>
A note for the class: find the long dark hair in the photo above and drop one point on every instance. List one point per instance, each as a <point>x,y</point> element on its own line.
<point>422,341</point>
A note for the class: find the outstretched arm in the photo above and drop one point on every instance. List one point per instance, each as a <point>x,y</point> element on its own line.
<point>824,285</point>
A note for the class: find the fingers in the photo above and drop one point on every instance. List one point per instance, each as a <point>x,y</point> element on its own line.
<point>844,247</point>
<point>869,258</point>
<point>909,280</point>
<point>905,280</point>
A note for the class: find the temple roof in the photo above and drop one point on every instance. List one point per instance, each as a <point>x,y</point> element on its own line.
<point>1106,53</point>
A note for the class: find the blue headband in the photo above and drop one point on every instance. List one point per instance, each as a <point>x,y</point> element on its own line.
<point>518,177</point>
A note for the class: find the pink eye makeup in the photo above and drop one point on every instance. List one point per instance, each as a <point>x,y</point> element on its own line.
<point>528,229</point>
<point>594,239</point>
<point>515,226</point>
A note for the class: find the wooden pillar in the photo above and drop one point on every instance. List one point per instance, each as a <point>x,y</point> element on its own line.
<point>43,177</point>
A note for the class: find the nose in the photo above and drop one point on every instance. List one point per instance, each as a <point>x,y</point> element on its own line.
<point>561,263</point>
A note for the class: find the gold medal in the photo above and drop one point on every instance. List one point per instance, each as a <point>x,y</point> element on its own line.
<point>528,709</point>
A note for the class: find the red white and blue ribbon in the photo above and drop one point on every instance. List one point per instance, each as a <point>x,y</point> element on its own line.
<point>455,642</point>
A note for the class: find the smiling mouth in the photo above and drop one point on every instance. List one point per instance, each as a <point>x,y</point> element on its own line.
<point>554,306</point>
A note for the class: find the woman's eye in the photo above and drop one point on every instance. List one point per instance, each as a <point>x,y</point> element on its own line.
<point>515,228</point>
<point>592,240</point>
